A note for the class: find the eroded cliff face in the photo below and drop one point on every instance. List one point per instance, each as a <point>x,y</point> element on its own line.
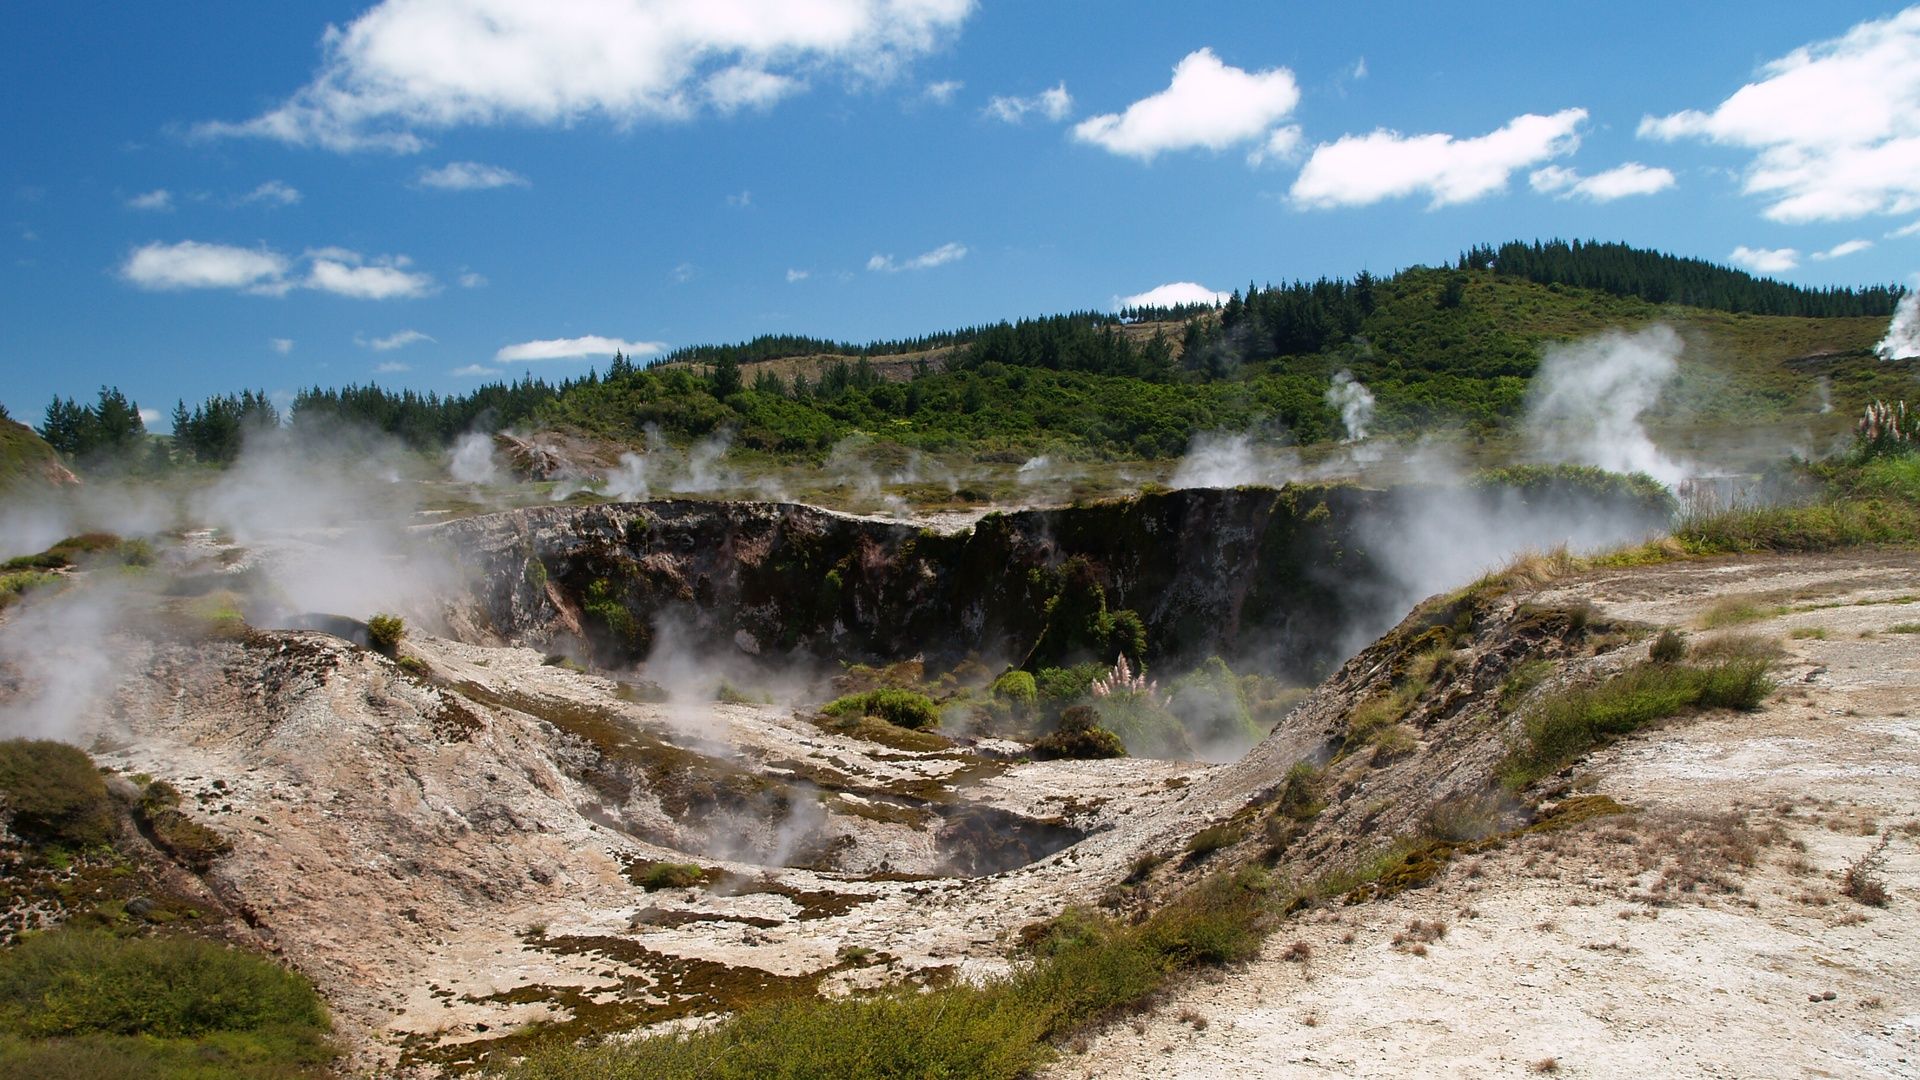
<point>1288,581</point>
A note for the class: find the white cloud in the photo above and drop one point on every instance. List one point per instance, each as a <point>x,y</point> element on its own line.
<point>157,199</point>
<point>1912,229</point>
<point>1835,125</point>
<point>281,345</point>
<point>941,93</point>
<point>345,273</point>
<point>1764,260</point>
<point>798,275</point>
<point>276,192</point>
<point>1173,294</point>
<point>1055,104</point>
<point>149,417</point>
<point>190,264</point>
<point>1359,170</point>
<point>1843,249</point>
<point>398,340</point>
<point>939,256</point>
<point>394,367</point>
<point>408,65</point>
<point>741,201</point>
<point>1359,68</point>
<point>474,371</point>
<point>746,87</point>
<point>470,176</point>
<point>571,348</point>
<point>1208,105</point>
<point>471,280</point>
<point>683,273</point>
<point>1632,178</point>
<point>1282,145</point>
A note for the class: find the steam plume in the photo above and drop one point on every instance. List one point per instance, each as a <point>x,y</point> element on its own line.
<point>1355,403</point>
<point>1588,397</point>
<point>1903,334</point>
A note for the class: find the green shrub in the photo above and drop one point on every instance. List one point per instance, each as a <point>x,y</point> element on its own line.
<point>671,875</point>
<point>54,794</point>
<point>1080,736</point>
<point>1017,688</point>
<point>69,982</point>
<point>383,633</point>
<point>1212,839</point>
<point>1060,685</point>
<point>902,708</point>
<point>186,839</point>
<point>1669,648</point>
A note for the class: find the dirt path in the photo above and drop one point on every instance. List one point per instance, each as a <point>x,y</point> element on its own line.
<point>1688,938</point>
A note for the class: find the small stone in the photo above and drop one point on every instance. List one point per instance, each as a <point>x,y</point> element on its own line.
<point>1828,996</point>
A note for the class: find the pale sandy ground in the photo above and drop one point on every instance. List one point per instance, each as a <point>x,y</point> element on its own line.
<point>1554,962</point>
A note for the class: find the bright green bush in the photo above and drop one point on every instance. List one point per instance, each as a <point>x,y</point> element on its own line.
<point>902,708</point>
<point>1017,688</point>
<point>384,632</point>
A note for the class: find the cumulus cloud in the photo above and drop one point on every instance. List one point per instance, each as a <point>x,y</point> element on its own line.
<point>1055,104</point>
<point>190,264</point>
<point>346,273</point>
<point>470,176</point>
<point>941,93</point>
<point>572,348</point>
<point>1172,294</point>
<point>1843,249</point>
<point>281,345</point>
<point>409,65</point>
<point>273,193</point>
<point>1835,125</point>
<point>1632,178</point>
<point>1359,170</point>
<point>1764,260</point>
<point>397,340</point>
<point>474,371</point>
<point>1209,105</point>
<point>939,256</point>
<point>158,199</point>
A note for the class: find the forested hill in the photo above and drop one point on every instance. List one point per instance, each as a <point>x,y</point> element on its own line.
<point>1445,347</point>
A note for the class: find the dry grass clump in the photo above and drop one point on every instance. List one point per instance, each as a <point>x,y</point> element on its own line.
<point>1861,880</point>
<point>1418,935</point>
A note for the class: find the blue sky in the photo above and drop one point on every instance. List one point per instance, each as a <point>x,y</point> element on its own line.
<point>197,198</point>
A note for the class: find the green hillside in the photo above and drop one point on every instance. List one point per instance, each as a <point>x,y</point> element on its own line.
<point>26,460</point>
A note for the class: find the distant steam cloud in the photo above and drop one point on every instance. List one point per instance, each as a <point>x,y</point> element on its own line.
<point>1355,403</point>
<point>1587,399</point>
<point>473,460</point>
<point>1903,334</point>
<point>1172,294</point>
<point>571,348</point>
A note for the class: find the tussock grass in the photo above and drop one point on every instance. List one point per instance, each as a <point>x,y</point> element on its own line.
<point>1728,673</point>
<point>1085,968</point>
<point>902,708</point>
<point>1824,526</point>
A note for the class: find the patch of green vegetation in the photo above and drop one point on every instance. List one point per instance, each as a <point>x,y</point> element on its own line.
<point>1212,839</point>
<point>1018,689</point>
<point>668,875</point>
<point>384,632</point>
<point>54,794</point>
<point>902,708</point>
<point>15,584</point>
<point>1904,628</point>
<point>1737,611</point>
<point>1521,680</point>
<point>1085,968</point>
<point>1824,526</point>
<point>1562,727</point>
<point>82,1003</point>
<point>1809,633</point>
<point>1081,737</point>
<point>194,844</point>
<point>875,730</point>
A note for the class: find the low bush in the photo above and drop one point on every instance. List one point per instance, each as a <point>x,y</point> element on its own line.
<point>53,794</point>
<point>1085,968</point>
<point>902,708</point>
<point>384,632</point>
<point>186,839</point>
<point>1212,839</point>
<point>1669,648</point>
<point>1735,674</point>
<point>1080,736</point>
<point>671,875</point>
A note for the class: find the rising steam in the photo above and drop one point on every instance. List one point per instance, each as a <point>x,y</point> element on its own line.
<point>1355,403</point>
<point>1587,399</point>
<point>1903,334</point>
